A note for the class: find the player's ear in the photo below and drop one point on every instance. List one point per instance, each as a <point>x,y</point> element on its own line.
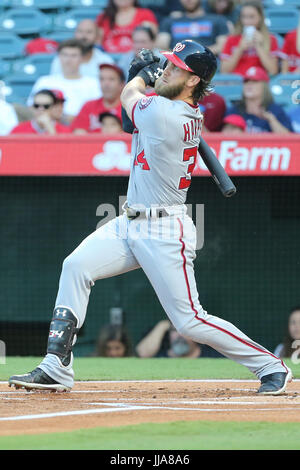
<point>193,80</point>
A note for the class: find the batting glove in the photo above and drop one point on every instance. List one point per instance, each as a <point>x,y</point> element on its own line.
<point>145,57</point>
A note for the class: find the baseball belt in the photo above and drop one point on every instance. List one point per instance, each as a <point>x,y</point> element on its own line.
<point>156,212</point>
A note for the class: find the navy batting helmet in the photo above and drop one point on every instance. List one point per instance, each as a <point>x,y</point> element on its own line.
<point>191,56</point>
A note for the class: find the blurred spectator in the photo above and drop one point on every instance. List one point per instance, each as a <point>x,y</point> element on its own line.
<point>234,124</point>
<point>193,23</point>
<point>118,21</point>
<point>114,341</point>
<point>47,112</point>
<point>286,348</point>
<point>252,44</point>
<point>112,83</point>
<point>76,88</point>
<point>163,8</point>
<point>257,106</point>
<point>8,117</point>
<point>164,341</point>
<point>41,46</point>
<point>294,115</point>
<point>227,8</point>
<point>93,57</point>
<point>213,108</point>
<point>291,52</point>
<point>110,123</point>
<point>143,37</point>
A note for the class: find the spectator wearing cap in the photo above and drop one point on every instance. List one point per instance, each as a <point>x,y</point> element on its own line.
<point>213,108</point>
<point>234,124</point>
<point>291,52</point>
<point>76,88</point>
<point>47,113</point>
<point>93,57</point>
<point>118,21</point>
<point>257,106</point>
<point>41,46</point>
<point>252,45</point>
<point>112,83</point>
<point>110,123</point>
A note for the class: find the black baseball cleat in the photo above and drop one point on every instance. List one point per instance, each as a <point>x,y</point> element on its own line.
<point>37,380</point>
<point>275,384</point>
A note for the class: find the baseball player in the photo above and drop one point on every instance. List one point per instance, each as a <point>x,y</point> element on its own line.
<point>154,232</point>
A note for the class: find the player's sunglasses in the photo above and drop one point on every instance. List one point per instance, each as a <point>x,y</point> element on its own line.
<point>40,105</point>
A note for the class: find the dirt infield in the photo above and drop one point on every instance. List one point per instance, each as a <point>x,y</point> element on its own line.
<point>92,404</point>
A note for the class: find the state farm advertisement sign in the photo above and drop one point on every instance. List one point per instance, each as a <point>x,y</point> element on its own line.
<point>246,155</point>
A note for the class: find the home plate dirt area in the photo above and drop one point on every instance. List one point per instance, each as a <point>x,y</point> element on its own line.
<point>92,404</point>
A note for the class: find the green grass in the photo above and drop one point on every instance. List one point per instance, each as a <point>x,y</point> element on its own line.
<point>168,436</point>
<point>178,435</point>
<point>142,369</point>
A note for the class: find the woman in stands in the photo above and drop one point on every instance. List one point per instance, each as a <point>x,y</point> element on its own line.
<point>252,45</point>
<point>119,20</point>
<point>257,107</point>
<point>227,8</point>
<point>291,52</point>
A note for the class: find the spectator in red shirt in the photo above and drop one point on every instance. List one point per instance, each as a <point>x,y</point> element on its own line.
<point>112,82</point>
<point>252,45</point>
<point>118,21</point>
<point>291,52</point>
<point>213,108</point>
<point>48,110</point>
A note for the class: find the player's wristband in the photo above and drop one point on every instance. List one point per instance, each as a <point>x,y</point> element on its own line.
<point>126,123</point>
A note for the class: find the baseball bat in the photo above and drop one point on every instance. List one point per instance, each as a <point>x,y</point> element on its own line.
<point>218,173</point>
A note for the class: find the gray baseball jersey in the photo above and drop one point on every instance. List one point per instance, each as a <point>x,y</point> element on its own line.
<point>164,153</point>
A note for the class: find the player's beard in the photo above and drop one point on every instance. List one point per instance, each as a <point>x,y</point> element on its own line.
<point>168,91</point>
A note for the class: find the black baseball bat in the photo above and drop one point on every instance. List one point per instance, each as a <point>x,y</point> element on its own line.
<point>218,173</point>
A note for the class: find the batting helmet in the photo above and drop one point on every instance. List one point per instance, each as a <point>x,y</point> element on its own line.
<point>193,57</point>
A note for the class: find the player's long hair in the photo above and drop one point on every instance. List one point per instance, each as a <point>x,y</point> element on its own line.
<point>111,10</point>
<point>201,90</point>
<point>262,28</point>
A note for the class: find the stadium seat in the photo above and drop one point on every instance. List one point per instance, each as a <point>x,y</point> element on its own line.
<point>25,21</point>
<point>68,21</point>
<point>4,68</point>
<point>281,3</point>
<point>229,86</point>
<point>151,3</point>
<point>20,84</point>
<point>281,20</point>
<point>59,36</point>
<point>4,4</point>
<point>11,46</point>
<point>42,4</point>
<point>35,65</point>
<point>284,88</point>
<point>101,4</point>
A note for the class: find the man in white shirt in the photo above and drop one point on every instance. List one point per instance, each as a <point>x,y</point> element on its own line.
<point>77,89</point>
<point>8,117</point>
<point>87,33</point>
